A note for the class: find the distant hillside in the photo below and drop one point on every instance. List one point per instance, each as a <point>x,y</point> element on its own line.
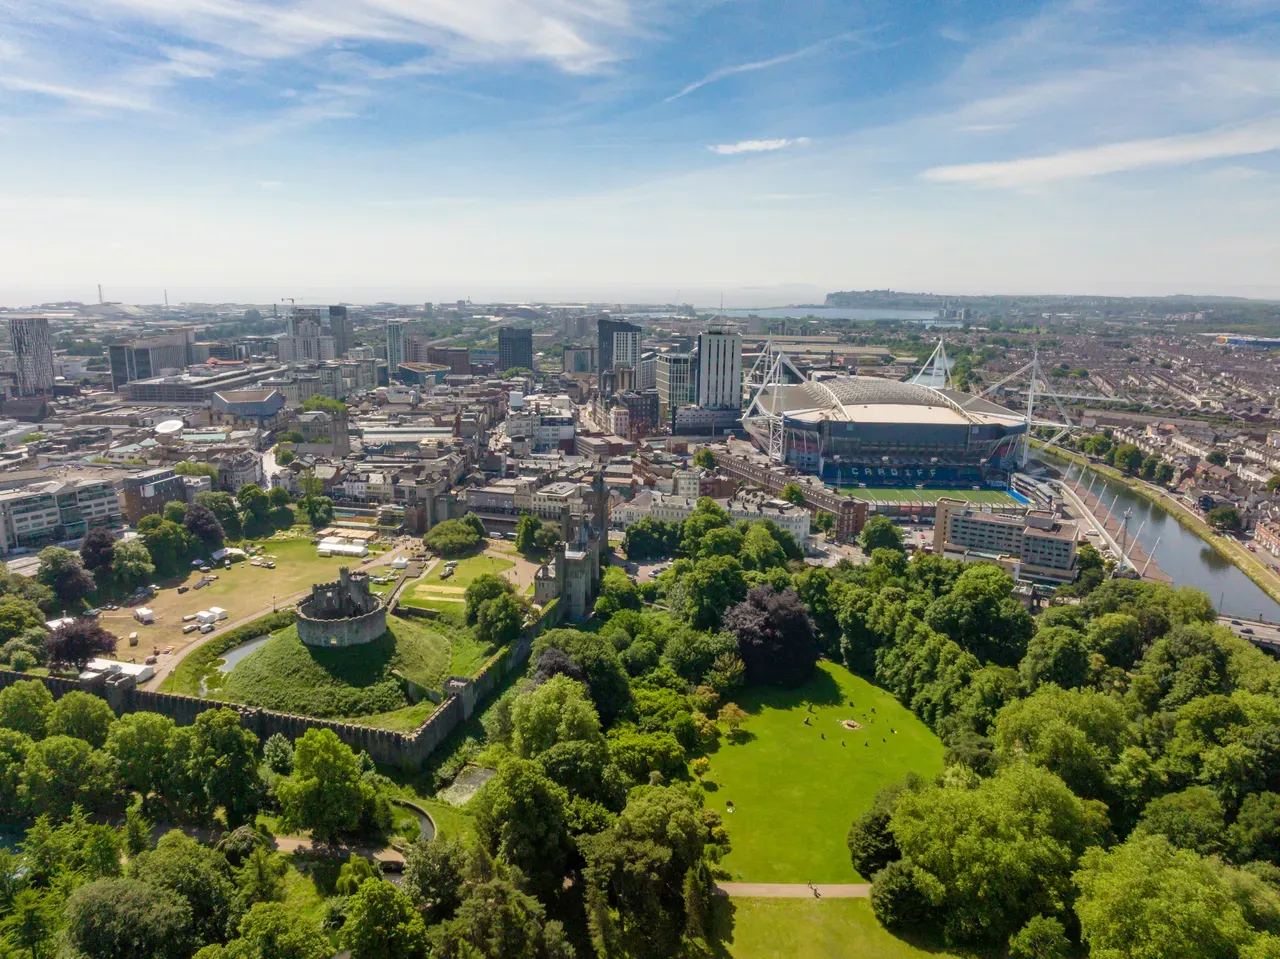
<point>1158,306</point>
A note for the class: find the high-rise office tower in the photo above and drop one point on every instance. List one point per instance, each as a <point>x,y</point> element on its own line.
<point>395,347</point>
<point>719,370</point>
<point>33,350</point>
<point>606,329</point>
<point>144,358</point>
<point>340,329</point>
<point>673,378</point>
<point>515,347</point>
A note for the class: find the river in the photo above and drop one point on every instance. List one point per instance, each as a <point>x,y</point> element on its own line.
<point>1188,559</point>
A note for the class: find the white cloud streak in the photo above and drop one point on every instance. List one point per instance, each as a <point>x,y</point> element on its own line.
<point>756,146</point>
<point>1260,136</point>
<point>754,65</point>
<point>572,35</point>
<point>73,95</point>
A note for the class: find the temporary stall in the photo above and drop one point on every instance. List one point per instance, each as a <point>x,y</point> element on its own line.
<point>218,612</point>
<point>206,616</point>
<point>144,615</point>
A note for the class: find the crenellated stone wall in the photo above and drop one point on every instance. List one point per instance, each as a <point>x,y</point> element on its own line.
<point>409,751</point>
<point>353,631</point>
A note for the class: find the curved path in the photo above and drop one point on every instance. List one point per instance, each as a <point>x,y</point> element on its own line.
<point>795,890</point>
<point>164,669</point>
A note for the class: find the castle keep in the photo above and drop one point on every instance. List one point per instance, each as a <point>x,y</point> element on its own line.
<point>342,613</point>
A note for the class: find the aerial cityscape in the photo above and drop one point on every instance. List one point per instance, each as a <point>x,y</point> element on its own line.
<point>616,479</point>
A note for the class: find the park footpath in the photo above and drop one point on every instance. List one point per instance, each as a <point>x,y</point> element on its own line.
<point>795,890</point>
<point>164,669</point>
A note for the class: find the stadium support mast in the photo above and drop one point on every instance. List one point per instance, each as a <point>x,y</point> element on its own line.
<point>930,369</point>
<point>1031,406</point>
<point>772,378</point>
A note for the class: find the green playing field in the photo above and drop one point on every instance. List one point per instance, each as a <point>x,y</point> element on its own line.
<point>901,494</point>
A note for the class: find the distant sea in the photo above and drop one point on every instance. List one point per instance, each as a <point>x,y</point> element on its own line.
<point>837,313</point>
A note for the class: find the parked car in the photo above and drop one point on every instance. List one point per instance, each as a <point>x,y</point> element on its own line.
<point>112,606</point>
<point>190,627</point>
<point>189,617</point>
<point>207,628</point>
<point>93,613</point>
<point>206,569</point>
<point>183,589</point>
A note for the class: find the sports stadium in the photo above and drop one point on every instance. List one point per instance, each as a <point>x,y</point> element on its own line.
<point>864,429</point>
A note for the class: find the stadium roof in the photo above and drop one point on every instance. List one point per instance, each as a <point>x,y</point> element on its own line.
<point>876,400</point>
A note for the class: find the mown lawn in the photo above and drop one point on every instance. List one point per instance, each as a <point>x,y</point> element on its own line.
<point>809,929</point>
<point>796,788</point>
<point>432,586</point>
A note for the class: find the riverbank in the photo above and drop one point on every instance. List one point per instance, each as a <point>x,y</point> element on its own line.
<point>1229,549</point>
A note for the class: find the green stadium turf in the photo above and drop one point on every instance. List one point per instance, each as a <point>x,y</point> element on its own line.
<point>899,494</point>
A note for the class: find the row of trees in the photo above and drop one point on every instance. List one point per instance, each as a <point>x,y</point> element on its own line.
<point>1109,763</point>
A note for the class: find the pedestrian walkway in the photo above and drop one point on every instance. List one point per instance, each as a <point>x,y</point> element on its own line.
<point>795,890</point>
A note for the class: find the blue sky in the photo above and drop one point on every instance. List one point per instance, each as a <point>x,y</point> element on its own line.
<point>563,149</point>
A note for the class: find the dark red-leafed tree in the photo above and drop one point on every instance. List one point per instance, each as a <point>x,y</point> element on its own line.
<point>776,638</point>
<point>78,642</point>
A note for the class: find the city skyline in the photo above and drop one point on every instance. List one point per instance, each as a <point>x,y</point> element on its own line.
<point>633,149</point>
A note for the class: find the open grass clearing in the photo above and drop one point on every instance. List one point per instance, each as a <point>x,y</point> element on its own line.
<point>809,929</point>
<point>242,590</point>
<point>795,792</point>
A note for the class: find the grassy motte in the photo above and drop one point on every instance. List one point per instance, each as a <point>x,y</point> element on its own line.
<point>353,681</point>
<point>794,792</point>
<point>809,929</point>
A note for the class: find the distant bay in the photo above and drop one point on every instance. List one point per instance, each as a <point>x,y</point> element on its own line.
<point>838,313</point>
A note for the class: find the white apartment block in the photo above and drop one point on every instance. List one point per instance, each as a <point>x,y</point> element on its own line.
<point>45,513</point>
<point>719,370</point>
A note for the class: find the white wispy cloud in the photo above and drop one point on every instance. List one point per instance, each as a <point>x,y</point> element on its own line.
<point>573,35</point>
<point>755,65</point>
<point>1260,136</point>
<point>74,95</point>
<point>757,146</point>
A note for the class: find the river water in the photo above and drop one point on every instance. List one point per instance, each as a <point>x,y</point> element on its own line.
<point>1188,559</point>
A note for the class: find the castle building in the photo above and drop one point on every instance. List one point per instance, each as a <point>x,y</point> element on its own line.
<point>341,613</point>
<point>573,575</point>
